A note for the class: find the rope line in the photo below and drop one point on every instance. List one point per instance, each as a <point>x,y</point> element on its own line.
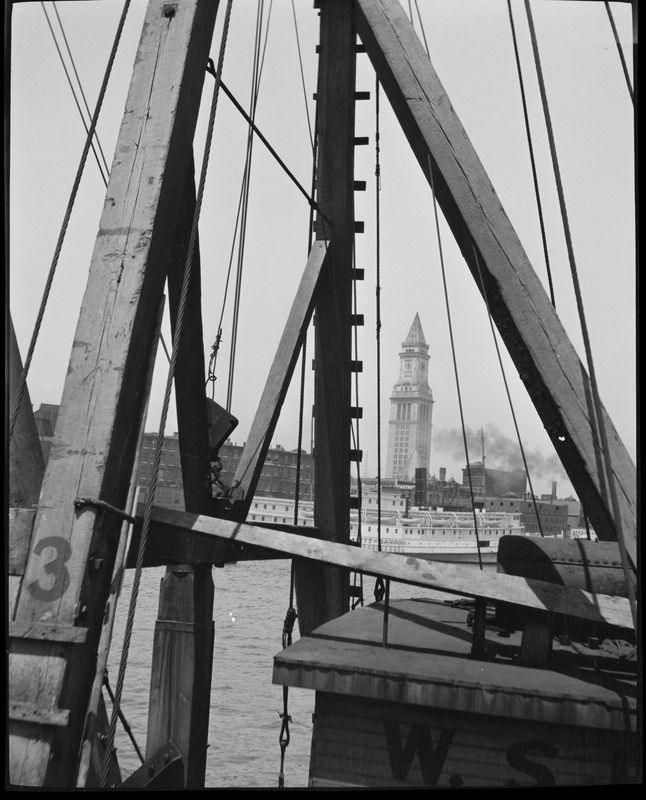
<point>73,90</point>
<point>530,145</point>
<point>300,61</point>
<point>511,405</point>
<point>620,51</point>
<point>68,212</point>
<point>455,365</point>
<point>171,372</point>
<point>598,410</point>
<point>87,107</point>
<point>255,89</point>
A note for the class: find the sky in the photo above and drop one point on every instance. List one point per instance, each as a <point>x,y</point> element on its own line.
<point>471,49</point>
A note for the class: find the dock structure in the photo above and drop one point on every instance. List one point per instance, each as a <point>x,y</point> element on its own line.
<point>69,552</point>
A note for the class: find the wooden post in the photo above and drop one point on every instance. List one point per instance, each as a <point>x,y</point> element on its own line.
<point>180,687</point>
<point>322,592</point>
<point>26,463</point>
<point>69,567</point>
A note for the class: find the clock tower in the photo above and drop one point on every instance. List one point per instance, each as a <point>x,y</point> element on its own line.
<point>411,409</point>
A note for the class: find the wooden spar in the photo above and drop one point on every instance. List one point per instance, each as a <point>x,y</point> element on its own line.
<point>264,423</point>
<point>461,580</point>
<point>26,468</point>
<point>546,360</point>
<point>103,397</point>
<point>322,592</point>
<point>182,658</point>
<point>26,463</point>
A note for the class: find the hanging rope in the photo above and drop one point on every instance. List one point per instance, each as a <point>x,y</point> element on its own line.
<point>68,212</point>
<point>601,429</point>
<point>169,383</point>
<point>455,364</point>
<point>530,145</point>
<point>288,627</point>
<point>620,52</point>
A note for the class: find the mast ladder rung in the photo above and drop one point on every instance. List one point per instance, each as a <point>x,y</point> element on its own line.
<point>42,631</point>
<point>31,713</point>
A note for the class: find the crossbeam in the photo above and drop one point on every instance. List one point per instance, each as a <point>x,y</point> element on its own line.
<point>449,578</point>
<point>273,396</point>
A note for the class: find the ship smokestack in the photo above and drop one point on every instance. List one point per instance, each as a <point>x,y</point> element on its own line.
<point>553,491</point>
<point>443,474</point>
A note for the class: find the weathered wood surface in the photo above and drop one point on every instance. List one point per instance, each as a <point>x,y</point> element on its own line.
<point>428,663</point>
<point>323,592</point>
<point>264,423</point>
<point>555,378</point>
<point>103,396</point>
<point>451,578</point>
<point>367,744</point>
<point>26,470</point>
<point>26,463</point>
<point>182,656</point>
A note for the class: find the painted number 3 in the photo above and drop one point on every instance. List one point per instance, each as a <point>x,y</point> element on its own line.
<point>58,575</point>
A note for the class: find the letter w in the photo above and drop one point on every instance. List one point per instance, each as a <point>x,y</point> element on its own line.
<point>419,741</point>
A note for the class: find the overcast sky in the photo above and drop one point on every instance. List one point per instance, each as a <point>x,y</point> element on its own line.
<point>471,47</point>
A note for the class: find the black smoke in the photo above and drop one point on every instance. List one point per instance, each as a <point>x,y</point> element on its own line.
<point>500,452</point>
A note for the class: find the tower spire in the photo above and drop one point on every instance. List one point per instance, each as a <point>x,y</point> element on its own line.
<point>411,409</point>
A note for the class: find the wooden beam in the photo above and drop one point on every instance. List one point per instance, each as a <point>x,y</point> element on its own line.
<point>104,393</point>
<point>167,545</point>
<point>264,424</point>
<point>26,462</point>
<point>547,362</point>
<point>26,468</point>
<point>182,656</point>
<point>322,593</point>
<point>454,579</point>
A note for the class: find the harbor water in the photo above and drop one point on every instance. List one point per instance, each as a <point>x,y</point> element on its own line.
<point>251,600</point>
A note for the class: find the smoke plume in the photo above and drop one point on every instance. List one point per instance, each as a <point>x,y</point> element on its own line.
<point>500,452</point>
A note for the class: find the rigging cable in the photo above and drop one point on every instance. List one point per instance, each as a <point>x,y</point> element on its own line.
<point>455,365</point>
<point>99,164</point>
<point>530,145</point>
<point>598,410</point>
<point>511,405</point>
<point>620,52</point>
<point>162,426</point>
<point>300,61</point>
<point>68,212</point>
<point>87,107</point>
<point>102,164</point>
<point>257,74</point>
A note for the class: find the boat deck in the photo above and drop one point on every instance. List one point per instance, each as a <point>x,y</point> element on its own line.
<point>583,705</point>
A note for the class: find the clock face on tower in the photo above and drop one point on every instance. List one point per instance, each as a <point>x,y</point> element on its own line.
<point>407,365</point>
<point>422,367</point>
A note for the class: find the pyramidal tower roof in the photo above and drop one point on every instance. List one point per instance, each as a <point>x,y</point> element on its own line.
<point>415,336</point>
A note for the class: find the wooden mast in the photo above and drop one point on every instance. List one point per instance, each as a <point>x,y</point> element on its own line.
<point>322,592</point>
<point>182,658</point>
<point>69,566</point>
